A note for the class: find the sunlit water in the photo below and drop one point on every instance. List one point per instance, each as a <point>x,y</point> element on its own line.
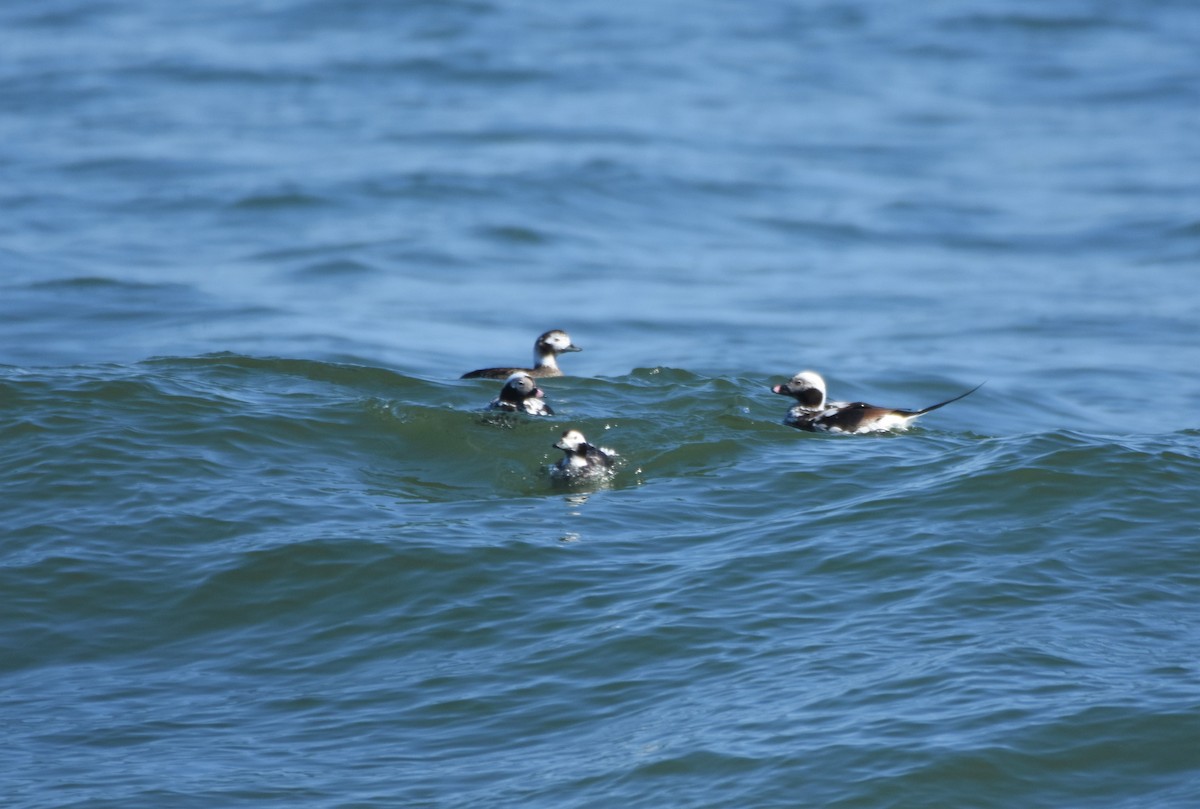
<point>262,546</point>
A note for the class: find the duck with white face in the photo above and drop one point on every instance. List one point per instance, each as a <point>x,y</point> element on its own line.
<point>812,412</point>
<point>521,394</point>
<point>546,349</point>
<point>582,459</point>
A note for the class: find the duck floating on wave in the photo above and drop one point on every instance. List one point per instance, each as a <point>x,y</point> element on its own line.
<point>546,349</point>
<point>521,394</point>
<point>582,459</point>
<point>812,412</point>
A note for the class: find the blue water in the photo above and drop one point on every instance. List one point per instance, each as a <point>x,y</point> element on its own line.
<point>262,547</point>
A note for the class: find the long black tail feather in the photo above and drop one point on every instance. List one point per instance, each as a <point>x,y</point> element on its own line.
<point>949,401</point>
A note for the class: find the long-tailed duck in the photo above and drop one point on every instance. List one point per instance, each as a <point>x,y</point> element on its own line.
<point>545,358</point>
<point>812,412</point>
<point>582,459</point>
<point>521,394</point>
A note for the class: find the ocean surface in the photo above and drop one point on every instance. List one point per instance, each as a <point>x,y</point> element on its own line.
<point>261,547</point>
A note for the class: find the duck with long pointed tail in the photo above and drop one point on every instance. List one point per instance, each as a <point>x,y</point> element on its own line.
<point>812,412</point>
<point>521,394</point>
<point>582,459</point>
<point>546,349</point>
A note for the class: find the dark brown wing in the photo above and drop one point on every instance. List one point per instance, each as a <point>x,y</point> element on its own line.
<point>852,417</point>
<point>493,373</point>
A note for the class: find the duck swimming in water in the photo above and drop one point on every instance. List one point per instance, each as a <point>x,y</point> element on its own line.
<point>521,394</point>
<point>812,412</point>
<point>545,358</point>
<point>582,459</point>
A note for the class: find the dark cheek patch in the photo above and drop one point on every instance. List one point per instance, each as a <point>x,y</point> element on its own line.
<point>810,398</point>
